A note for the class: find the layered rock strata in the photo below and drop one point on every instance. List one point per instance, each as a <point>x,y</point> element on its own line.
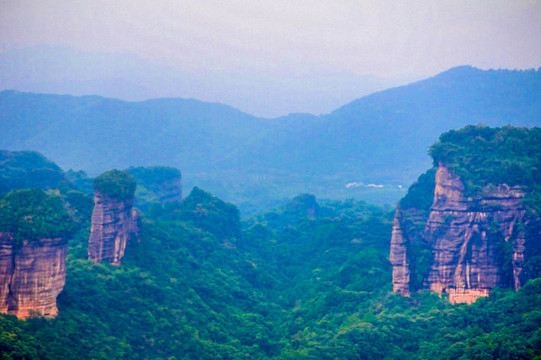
<point>114,222</point>
<point>476,244</point>
<point>31,276</point>
<point>406,225</point>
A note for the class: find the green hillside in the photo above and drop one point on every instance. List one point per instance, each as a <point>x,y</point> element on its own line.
<point>28,169</point>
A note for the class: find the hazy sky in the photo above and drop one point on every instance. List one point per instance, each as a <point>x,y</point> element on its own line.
<point>288,40</point>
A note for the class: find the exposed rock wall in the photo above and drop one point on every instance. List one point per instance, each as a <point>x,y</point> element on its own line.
<point>170,190</point>
<point>476,244</point>
<point>31,276</point>
<point>114,222</point>
<point>407,230</point>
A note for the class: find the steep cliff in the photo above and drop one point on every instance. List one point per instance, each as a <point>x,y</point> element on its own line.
<point>467,242</point>
<point>476,243</point>
<point>170,190</point>
<point>114,222</point>
<point>470,238</point>
<point>32,267</point>
<point>406,234</point>
<point>156,184</point>
<point>32,276</point>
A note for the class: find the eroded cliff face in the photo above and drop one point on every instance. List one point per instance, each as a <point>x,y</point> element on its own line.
<point>31,276</point>
<point>407,231</point>
<point>475,244</point>
<point>170,190</point>
<point>114,223</point>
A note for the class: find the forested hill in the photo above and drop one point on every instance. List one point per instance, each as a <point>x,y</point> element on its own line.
<point>310,280</point>
<point>378,139</point>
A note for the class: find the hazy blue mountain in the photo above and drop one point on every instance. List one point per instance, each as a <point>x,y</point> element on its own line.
<point>380,139</point>
<point>386,134</point>
<point>126,76</point>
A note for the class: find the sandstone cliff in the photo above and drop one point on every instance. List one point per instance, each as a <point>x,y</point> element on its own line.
<point>470,245</point>
<point>406,233</point>
<point>31,275</point>
<point>34,228</point>
<point>156,184</point>
<point>169,190</point>
<point>114,222</point>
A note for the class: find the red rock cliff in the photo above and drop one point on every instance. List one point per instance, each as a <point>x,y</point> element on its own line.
<point>114,222</point>
<point>31,276</point>
<point>406,225</point>
<point>476,244</point>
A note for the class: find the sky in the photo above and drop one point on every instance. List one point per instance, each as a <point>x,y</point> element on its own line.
<point>274,57</point>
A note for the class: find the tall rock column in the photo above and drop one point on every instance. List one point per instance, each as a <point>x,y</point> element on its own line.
<point>405,234</point>
<point>114,222</point>
<point>32,266</point>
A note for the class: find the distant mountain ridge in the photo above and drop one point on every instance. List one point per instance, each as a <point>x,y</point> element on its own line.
<point>380,138</point>
<point>64,70</point>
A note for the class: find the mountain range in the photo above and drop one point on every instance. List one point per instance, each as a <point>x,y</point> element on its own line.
<point>371,148</point>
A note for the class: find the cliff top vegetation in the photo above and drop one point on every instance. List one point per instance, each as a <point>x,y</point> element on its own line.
<point>421,193</point>
<point>116,183</point>
<point>483,156</point>
<point>154,174</point>
<point>33,214</point>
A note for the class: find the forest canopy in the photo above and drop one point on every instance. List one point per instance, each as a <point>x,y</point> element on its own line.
<point>482,155</point>
<point>116,183</point>
<point>33,214</point>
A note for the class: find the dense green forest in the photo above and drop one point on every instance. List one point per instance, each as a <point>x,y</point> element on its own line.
<point>193,287</point>
<point>29,169</point>
<point>308,280</point>
<point>32,214</point>
<point>116,184</point>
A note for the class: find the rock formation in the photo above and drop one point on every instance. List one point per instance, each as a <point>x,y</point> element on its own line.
<point>114,221</point>
<point>474,244</point>
<point>170,190</point>
<point>31,275</point>
<point>34,228</point>
<point>156,184</point>
<point>406,232</point>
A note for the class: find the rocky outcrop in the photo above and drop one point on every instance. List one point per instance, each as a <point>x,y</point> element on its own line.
<point>170,190</point>
<point>114,222</point>
<point>406,225</point>
<point>475,243</point>
<point>156,184</point>
<point>31,275</point>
